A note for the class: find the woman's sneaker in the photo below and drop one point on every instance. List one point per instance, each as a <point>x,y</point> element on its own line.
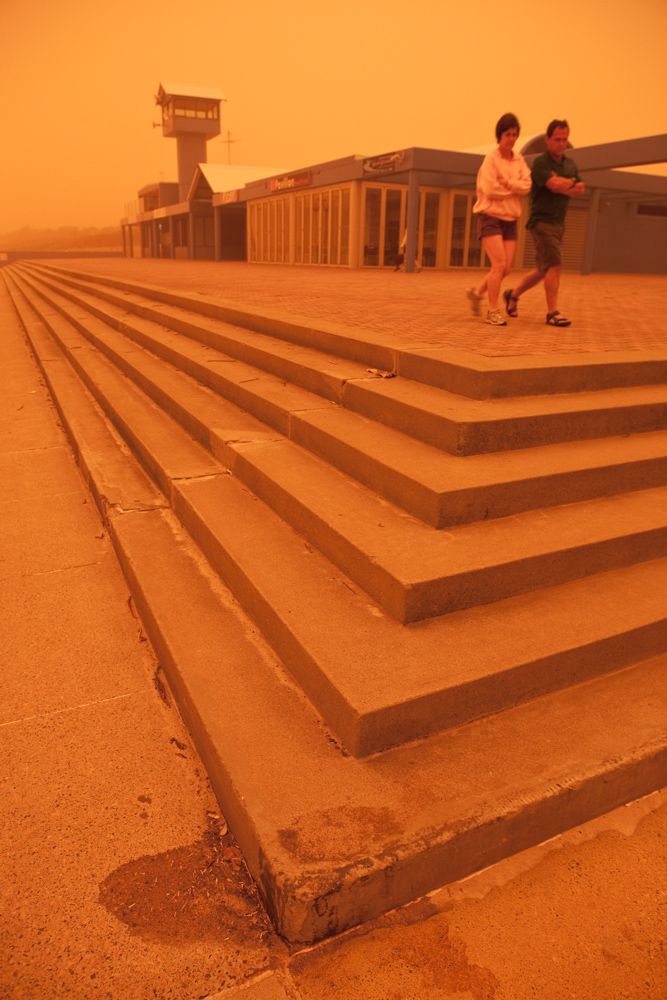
<point>475,301</point>
<point>494,317</point>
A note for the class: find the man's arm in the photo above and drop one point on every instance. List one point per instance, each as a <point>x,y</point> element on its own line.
<point>569,186</point>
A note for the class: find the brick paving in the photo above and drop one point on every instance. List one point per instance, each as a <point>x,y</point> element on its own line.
<point>610,312</point>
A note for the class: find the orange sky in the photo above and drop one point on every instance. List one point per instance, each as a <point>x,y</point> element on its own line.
<point>304,82</point>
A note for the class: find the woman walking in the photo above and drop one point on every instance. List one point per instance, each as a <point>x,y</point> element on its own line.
<point>502,179</point>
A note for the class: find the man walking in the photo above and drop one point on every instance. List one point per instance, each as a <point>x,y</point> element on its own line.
<point>555,181</point>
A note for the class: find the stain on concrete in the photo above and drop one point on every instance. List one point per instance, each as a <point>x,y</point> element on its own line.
<point>160,687</point>
<point>325,835</point>
<point>391,966</point>
<point>202,891</point>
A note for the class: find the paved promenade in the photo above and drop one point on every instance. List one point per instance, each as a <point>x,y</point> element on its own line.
<point>609,312</point>
<point>119,879</point>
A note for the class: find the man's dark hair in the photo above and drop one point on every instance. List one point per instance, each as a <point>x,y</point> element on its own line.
<point>556,123</point>
<point>506,122</point>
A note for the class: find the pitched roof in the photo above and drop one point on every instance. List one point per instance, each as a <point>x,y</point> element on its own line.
<point>227,177</point>
<point>188,90</point>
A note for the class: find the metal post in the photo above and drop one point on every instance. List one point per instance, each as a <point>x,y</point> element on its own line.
<point>217,232</point>
<point>412,221</point>
<point>191,235</point>
<point>591,230</point>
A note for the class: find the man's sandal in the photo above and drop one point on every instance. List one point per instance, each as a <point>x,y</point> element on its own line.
<point>555,319</point>
<point>511,304</point>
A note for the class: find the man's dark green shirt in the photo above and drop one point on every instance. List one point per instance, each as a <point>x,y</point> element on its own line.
<point>546,205</point>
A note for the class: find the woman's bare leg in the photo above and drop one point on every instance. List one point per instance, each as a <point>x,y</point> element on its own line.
<point>495,250</point>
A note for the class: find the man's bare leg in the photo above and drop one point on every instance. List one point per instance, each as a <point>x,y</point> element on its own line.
<point>530,280</point>
<point>551,285</point>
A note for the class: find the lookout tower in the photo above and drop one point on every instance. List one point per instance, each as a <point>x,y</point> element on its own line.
<point>191,115</point>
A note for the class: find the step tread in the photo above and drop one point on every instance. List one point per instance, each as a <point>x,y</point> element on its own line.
<point>439,402</point>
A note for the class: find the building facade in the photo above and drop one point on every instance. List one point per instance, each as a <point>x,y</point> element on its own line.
<point>353,212</point>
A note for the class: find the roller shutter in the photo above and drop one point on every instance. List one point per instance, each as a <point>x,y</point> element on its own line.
<point>574,241</point>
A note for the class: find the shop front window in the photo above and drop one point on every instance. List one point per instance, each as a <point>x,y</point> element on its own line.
<point>392,226</point>
<point>345,228</point>
<point>324,256</point>
<point>459,218</point>
<point>372,226</point>
<point>315,231</point>
<point>430,228</point>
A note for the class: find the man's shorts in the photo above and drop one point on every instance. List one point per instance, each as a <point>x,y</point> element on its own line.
<point>489,225</point>
<point>547,237</point>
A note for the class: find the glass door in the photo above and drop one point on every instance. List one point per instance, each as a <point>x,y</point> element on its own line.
<point>465,249</point>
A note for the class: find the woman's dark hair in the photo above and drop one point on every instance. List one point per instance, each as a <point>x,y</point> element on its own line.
<point>506,122</point>
<point>556,123</point>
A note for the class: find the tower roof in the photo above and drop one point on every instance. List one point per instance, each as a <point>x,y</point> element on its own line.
<point>188,90</point>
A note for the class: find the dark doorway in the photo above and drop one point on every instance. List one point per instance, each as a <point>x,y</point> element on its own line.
<point>232,232</point>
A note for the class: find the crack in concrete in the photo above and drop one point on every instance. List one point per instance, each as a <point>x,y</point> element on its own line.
<point>63,711</point>
<point>50,572</point>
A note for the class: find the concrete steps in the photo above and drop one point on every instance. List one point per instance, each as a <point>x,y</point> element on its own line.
<point>531,713</point>
<point>434,486</point>
<point>438,417</point>
<point>460,372</point>
<point>410,571</point>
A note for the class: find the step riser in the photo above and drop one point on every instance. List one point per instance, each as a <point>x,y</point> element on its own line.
<point>502,435</point>
<point>548,379</point>
<point>476,503</point>
<point>451,708</point>
<point>420,600</point>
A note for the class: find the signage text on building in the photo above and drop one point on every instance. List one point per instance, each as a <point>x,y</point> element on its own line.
<point>386,164</point>
<point>290,181</point>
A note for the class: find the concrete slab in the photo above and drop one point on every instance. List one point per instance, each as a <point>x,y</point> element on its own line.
<point>18,468</point>
<point>57,633</point>
<point>35,540</point>
<point>99,803</point>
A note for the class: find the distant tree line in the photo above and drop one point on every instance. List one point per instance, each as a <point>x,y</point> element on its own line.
<point>62,238</point>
